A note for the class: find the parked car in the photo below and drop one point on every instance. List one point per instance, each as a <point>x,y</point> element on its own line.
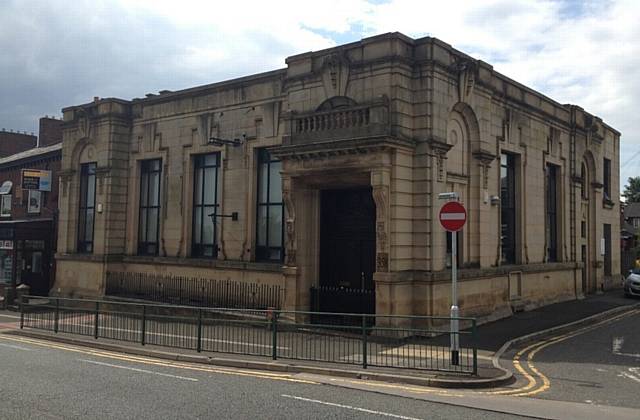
<point>632,283</point>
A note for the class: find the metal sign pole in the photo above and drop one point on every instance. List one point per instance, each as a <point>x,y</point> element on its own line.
<point>455,344</point>
<point>453,216</point>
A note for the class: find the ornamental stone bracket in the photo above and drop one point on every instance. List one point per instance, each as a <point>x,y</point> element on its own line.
<point>290,221</point>
<point>467,72</point>
<point>65,179</point>
<point>485,158</point>
<point>439,150</point>
<point>380,182</point>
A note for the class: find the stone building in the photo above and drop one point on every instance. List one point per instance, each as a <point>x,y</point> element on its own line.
<point>332,168</point>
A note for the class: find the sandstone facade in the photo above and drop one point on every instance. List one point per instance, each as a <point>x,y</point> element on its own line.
<point>401,118</point>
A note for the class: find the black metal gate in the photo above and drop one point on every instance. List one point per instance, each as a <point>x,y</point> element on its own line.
<point>342,300</point>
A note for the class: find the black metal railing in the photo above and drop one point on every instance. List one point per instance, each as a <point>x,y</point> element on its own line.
<point>411,342</point>
<point>326,299</point>
<point>182,290</point>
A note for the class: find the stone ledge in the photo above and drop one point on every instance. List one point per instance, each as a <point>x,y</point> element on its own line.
<point>204,262</point>
<point>185,262</point>
<point>470,274</point>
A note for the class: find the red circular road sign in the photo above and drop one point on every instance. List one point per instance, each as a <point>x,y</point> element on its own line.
<point>453,216</point>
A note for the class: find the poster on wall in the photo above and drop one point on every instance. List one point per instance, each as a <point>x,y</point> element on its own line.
<point>36,179</point>
<point>35,198</point>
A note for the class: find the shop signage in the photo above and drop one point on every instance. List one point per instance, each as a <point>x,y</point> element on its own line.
<point>36,179</point>
<point>6,244</point>
<point>6,187</point>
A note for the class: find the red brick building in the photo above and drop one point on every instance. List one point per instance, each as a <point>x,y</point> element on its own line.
<point>28,217</point>
<point>15,142</point>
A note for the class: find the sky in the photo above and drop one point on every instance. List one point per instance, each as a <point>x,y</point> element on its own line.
<point>58,53</point>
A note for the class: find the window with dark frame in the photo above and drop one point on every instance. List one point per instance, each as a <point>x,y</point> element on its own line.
<point>606,232</point>
<point>206,190</point>
<point>552,212</point>
<point>583,182</point>
<point>86,214</point>
<point>508,208</point>
<point>607,178</point>
<point>149,215</point>
<point>270,209</point>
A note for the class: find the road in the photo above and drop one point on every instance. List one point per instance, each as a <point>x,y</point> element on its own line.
<point>597,364</point>
<point>54,381</point>
<point>586,374</point>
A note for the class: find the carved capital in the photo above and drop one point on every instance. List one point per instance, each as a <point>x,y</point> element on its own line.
<point>439,149</point>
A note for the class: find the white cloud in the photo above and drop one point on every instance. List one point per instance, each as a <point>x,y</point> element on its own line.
<point>56,55</point>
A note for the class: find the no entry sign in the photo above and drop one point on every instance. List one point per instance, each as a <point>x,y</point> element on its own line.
<point>453,216</point>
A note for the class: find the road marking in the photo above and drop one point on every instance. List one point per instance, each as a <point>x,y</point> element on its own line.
<point>350,407</point>
<point>9,316</point>
<point>15,347</point>
<point>616,348</point>
<point>631,376</point>
<point>139,370</point>
<point>158,362</point>
<point>530,389</point>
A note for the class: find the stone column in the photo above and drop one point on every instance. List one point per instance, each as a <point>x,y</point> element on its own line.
<point>380,183</point>
<point>290,269</point>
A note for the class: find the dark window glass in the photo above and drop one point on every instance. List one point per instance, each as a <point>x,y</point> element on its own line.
<point>86,212</point>
<point>206,190</point>
<point>449,253</point>
<point>270,211</point>
<point>149,218</point>
<point>507,208</point>
<point>607,179</point>
<point>552,212</point>
<point>607,249</point>
<point>583,184</point>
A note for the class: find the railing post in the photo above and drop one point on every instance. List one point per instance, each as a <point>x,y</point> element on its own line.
<point>21,313</point>
<point>143,329</point>
<point>56,316</point>
<point>364,341</point>
<point>199,345</point>
<point>95,325</point>
<point>274,334</point>
<point>474,339</point>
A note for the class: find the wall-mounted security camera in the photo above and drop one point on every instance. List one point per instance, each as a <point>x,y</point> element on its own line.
<point>495,200</point>
<point>448,196</point>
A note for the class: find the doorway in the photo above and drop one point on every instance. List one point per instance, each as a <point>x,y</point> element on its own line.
<point>347,251</point>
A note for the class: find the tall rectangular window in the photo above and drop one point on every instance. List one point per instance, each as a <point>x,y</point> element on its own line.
<point>552,212</point>
<point>206,190</point>
<point>86,214</point>
<point>508,208</point>
<point>5,206</point>
<point>149,216</point>
<point>606,176</point>
<point>606,232</point>
<point>270,210</point>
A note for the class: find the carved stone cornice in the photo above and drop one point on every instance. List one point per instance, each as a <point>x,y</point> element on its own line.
<point>324,150</point>
<point>484,156</point>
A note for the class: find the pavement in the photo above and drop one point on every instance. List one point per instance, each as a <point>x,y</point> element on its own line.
<point>494,339</point>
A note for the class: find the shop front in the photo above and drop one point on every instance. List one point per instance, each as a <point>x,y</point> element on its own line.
<point>26,255</point>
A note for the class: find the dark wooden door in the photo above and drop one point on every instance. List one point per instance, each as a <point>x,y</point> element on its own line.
<point>347,239</point>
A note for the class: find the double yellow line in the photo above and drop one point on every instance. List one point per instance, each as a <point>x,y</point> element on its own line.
<point>157,362</point>
<point>537,382</point>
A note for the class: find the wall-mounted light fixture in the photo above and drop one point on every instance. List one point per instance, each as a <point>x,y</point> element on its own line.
<point>216,141</point>
<point>233,216</point>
